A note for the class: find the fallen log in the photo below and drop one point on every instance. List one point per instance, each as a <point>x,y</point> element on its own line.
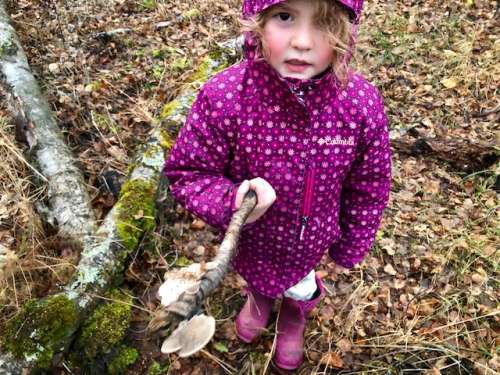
<point>41,334</point>
<point>463,155</point>
<point>68,206</point>
<point>44,329</point>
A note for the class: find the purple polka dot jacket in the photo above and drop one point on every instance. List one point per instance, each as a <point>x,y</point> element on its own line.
<point>323,148</point>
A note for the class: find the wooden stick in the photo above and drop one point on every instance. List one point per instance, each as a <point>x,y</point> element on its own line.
<point>188,303</point>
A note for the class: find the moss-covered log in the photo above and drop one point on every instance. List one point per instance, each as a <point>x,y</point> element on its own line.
<point>42,341</point>
<point>173,114</point>
<point>68,201</point>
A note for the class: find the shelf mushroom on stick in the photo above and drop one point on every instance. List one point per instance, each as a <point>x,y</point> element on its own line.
<point>185,289</point>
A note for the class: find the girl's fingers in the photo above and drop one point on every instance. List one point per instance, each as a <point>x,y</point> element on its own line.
<point>265,192</point>
<point>265,196</point>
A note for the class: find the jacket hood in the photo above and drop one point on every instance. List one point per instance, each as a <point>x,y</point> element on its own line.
<point>253,7</point>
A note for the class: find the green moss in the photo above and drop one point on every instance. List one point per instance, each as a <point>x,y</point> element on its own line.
<point>148,4</point>
<point>180,64</point>
<point>130,168</point>
<point>151,151</point>
<point>158,53</point>
<point>125,358</point>
<point>94,86</point>
<point>104,122</point>
<point>105,328</point>
<point>158,71</point>
<point>191,14</point>
<point>170,108</point>
<point>136,211</point>
<point>210,65</point>
<point>157,369</point>
<point>39,329</point>
<point>166,141</point>
<point>8,48</point>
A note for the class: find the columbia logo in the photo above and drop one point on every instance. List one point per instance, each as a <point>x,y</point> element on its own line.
<point>336,141</point>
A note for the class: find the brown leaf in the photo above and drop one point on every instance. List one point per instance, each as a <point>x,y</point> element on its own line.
<point>117,153</point>
<point>326,312</point>
<point>332,359</point>
<point>390,269</point>
<point>199,250</point>
<point>469,187</point>
<point>388,245</point>
<point>344,345</point>
<point>479,278</point>
<point>399,284</point>
<point>197,224</point>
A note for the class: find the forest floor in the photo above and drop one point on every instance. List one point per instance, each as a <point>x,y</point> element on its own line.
<point>426,298</point>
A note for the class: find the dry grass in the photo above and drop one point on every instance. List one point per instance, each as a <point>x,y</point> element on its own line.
<point>437,66</point>
<point>31,264</point>
<point>16,216</point>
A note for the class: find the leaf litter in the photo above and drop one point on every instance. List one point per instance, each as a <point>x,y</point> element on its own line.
<point>424,301</point>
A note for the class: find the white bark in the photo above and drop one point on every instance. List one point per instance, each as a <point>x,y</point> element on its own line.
<point>68,201</point>
<point>11,366</point>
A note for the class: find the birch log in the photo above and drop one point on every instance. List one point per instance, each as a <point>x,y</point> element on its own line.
<point>68,201</point>
<point>43,331</point>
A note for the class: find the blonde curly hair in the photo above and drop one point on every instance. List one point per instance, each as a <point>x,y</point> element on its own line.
<point>331,17</point>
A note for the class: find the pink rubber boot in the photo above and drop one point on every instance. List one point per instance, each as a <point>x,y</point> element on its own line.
<point>253,317</point>
<point>291,324</point>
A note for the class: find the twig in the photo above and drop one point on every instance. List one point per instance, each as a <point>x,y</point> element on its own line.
<point>487,112</point>
<point>273,347</point>
<point>226,367</point>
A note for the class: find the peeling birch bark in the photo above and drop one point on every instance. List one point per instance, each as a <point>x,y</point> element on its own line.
<point>69,204</point>
<point>104,257</point>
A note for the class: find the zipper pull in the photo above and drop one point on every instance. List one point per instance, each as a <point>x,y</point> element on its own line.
<point>303,220</point>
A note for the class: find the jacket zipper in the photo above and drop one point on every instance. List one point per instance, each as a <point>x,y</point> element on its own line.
<point>306,205</point>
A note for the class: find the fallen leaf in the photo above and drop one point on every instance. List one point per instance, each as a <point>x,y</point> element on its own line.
<point>332,359</point>
<point>390,269</point>
<point>344,345</point>
<point>480,277</point>
<point>117,153</point>
<point>199,250</point>
<point>388,245</point>
<point>412,25</point>
<point>399,284</point>
<point>197,224</point>
<point>449,83</point>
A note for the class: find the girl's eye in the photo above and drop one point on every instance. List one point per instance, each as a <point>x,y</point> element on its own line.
<point>283,16</point>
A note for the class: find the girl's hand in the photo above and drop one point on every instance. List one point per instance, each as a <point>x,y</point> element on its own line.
<point>265,197</point>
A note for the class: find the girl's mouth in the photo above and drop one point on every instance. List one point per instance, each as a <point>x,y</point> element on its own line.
<point>297,66</point>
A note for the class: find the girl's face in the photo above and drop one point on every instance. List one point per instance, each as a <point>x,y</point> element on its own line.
<point>293,44</point>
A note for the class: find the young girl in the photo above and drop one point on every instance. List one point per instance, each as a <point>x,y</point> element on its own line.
<point>291,122</point>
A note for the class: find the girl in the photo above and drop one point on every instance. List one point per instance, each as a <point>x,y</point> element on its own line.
<point>291,122</point>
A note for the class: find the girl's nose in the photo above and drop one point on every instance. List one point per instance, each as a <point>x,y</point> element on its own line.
<point>303,39</point>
